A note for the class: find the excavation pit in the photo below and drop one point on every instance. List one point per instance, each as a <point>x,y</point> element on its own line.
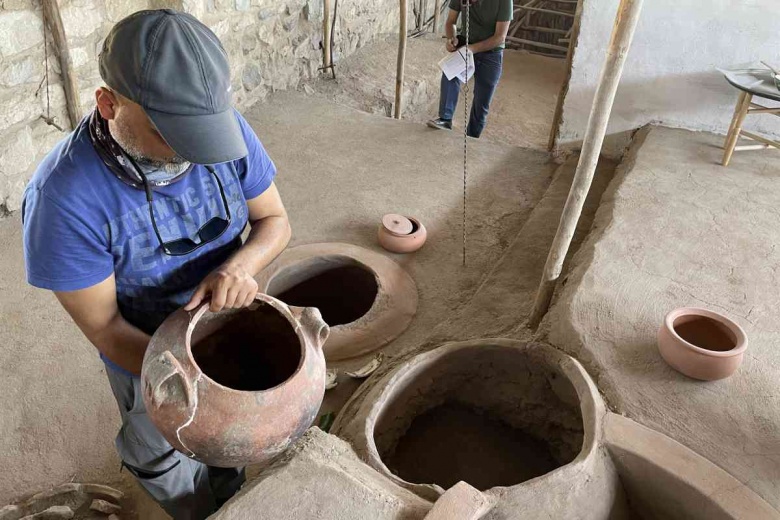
<point>489,414</point>
<point>366,298</point>
<point>341,288</point>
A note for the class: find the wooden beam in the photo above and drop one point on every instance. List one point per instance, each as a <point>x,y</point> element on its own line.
<point>399,74</point>
<point>326,35</point>
<point>53,20</point>
<point>760,139</point>
<point>436,13</point>
<point>762,110</point>
<point>536,44</point>
<point>548,54</point>
<point>513,28</point>
<point>740,112</point>
<point>542,29</point>
<point>558,114</point>
<point>548,11</point>
<point>622,34</point>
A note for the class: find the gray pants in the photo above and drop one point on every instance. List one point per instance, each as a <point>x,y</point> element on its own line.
<point>185,488</point>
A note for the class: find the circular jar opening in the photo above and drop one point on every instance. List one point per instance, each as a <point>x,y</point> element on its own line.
<point>705,332</point>
<point>343,289</point>
<point>246,349</point>
<point>488,415</point>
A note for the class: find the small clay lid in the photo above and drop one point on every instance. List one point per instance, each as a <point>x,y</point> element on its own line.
<point>397,224</point>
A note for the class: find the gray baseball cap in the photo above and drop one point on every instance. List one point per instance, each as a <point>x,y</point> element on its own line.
<point>177,70</point>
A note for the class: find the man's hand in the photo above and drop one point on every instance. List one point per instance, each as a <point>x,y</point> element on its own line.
<point>452,45</point>
<point>231,286</point>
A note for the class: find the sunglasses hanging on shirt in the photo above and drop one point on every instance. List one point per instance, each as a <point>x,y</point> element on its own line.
<point>209,232</point>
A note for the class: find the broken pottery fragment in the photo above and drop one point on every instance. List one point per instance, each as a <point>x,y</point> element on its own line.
<point>52,513</point>
<point>399,234</point>
<point>236,387</point>
<point>59,502</point>
<point>104,507</point>
<point>460,502</point>
<point>331,377</point>
<point>369,368</point>
<point>701,344</point>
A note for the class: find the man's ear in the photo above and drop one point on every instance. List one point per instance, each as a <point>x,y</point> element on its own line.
<point>107,103</point>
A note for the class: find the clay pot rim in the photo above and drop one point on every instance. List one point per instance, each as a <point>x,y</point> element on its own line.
<point>264,298</point>
<point>391,313</point>
<point>591,406</point>
<point>420,229</point>
<point>734,327</point>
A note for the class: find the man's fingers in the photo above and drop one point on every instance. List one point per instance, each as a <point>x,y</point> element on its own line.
<point>218,297</point>
<point>232,296</point>
<point>250,297</point>
<point>197,297</point>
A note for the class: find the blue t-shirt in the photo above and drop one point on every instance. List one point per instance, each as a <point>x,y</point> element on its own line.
<point>82,223</point>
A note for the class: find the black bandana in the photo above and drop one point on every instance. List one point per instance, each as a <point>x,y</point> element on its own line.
<point>114,157</point>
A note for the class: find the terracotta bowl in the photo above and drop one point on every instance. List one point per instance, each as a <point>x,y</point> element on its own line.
<point>701,344</point>
<point>396,239</point>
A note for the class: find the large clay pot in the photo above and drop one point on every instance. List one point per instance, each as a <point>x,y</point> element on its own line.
<point>236,387</point>
<point>701,344</point>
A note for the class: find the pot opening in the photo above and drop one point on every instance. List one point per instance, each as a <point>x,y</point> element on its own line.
<point>343,289</point>
<point>705,332</point>
<point>249,349</point>
<point>491,417</point>
<point>415,227</point>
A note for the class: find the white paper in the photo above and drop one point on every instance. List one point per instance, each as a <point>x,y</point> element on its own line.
<point>453,65</point>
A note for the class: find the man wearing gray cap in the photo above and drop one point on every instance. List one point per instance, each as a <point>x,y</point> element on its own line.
<point>140,211</point>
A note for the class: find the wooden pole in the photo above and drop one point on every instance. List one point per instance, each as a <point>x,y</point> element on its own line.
<point>53,20</point>
<point>436,12</point>
<point>574,34</point>
<point>399,75</point>
<point>326,35</point>
<point>622,34</point>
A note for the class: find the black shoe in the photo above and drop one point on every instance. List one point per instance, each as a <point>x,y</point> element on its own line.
<point>441,124</point>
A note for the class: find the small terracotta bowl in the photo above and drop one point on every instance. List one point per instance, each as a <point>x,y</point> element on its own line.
<point>701,344</point>
<point>399,234</point>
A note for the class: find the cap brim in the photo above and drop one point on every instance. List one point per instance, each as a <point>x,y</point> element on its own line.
<point>202,139</point>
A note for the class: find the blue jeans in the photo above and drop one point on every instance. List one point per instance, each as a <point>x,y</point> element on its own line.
<point>487,72</point>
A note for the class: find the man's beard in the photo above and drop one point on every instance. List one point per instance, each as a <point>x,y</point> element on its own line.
<point>174,166</point>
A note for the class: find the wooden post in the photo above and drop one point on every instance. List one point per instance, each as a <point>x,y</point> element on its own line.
<point>622,34</point>
<point>326,34</point>
<point>574,34</point>
<point>436,12</point>
<point>743,105</point>
<point>399,75</point>
<point>53,20</point>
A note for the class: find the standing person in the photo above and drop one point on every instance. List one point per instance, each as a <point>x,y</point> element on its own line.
<point>488,25</point>
<point>139,211</point>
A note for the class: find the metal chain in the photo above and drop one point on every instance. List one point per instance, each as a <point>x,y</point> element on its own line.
<point>465,127</point>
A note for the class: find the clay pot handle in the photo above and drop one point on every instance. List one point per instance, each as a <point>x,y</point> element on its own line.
<point>312,324</point>
<point>166,367</point>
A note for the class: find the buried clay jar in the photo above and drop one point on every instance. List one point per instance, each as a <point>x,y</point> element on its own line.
<point>701,344</point>
<point>399,234</point>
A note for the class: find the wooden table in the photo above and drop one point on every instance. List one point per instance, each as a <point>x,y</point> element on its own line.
<point>751,83</point>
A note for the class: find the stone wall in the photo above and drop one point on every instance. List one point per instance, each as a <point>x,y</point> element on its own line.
<point>273,45</point>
